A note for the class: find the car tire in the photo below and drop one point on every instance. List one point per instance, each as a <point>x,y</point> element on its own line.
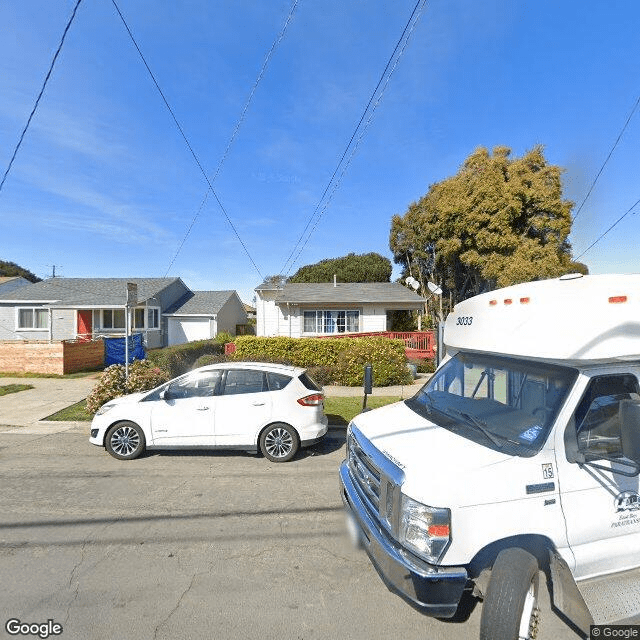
<point>510,607</point>
<point>279,442</point>
<point>125,440</point>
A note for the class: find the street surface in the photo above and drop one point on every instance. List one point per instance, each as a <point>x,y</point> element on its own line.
<point>190,545</point>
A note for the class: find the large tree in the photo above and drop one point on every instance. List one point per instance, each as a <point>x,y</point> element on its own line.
<point>11,269</point>
<point>368,267</point>
<point>499,221</point>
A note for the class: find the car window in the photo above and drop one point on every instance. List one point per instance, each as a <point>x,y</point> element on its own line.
<point>277,381</point>
<point>198,385</point>
<point>597,417</point>
<point>309,382</point>
<point>244,381</point>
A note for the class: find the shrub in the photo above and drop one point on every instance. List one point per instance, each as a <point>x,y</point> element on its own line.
<point>342,359</point>
<point>209,358</point>
<point>322,375</point>
<point>180,358</point>
<point>143,376</point>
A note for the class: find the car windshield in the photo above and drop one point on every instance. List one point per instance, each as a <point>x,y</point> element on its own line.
<point>507,405</point>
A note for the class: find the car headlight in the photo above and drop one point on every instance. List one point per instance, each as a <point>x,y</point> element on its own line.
<point>424,530</point>
<point>104,408</point>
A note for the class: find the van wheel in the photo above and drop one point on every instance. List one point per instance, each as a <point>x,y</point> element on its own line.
<point>510,609</point>
<point>125,440</point>
<point>279,442</point>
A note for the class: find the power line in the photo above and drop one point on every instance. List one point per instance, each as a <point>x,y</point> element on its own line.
<point>401,44</point>
<point>241,119</point>
<point>186,140</point>
<point>624,215</point>
<point>44,84</point>
<point>615,144</point>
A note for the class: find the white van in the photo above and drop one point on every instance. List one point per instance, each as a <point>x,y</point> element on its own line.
<point>521,455</point>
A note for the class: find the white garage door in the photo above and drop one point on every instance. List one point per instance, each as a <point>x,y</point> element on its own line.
<point>183,330</point>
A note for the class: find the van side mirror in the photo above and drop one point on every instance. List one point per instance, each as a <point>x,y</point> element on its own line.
<point>165,394</point>
<point>630,429</point>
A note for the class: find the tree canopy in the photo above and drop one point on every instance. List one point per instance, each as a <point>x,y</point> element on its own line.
<point>498,221</point>
<point>11,270</point>
<point>368,267</point>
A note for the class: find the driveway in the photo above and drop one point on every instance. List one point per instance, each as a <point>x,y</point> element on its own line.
<point>27,408</point>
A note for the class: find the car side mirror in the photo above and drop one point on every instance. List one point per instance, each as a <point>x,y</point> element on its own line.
<point>630,427</point>
<point>165,394</point>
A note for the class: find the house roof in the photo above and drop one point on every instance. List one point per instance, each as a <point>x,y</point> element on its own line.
<point>77,292</point>
<point>200,303</point>
<point>348,292</point>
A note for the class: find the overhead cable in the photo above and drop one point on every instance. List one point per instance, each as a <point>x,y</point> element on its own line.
<point>241,119</point>
<point>186,140</point>
<point>44,85</point>
<point>615,144</point>
<point>385,77</point>
<point>624,215</point>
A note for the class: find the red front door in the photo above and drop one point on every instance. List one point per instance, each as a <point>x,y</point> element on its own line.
<point>84,325</point>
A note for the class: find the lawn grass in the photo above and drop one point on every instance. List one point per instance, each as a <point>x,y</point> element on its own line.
<point>14,388</point>
<point>340,410</point>
<point>76,412</point>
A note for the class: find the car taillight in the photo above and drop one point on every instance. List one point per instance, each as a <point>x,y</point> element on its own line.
<point>313,400</point>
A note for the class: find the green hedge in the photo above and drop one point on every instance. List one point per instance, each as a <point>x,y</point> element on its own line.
<point>180,358</point>
<point>344,357</point>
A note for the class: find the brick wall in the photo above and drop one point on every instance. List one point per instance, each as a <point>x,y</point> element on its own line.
<point>50,357</point>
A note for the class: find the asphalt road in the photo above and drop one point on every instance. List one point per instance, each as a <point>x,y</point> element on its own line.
<point>190,545</point>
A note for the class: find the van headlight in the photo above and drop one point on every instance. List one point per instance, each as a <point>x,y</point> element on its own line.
<point>424,530</point>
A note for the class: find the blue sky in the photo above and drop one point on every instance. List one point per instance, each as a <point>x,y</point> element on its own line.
<point>104,184</point>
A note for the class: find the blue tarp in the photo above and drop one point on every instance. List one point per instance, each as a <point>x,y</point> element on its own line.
<point>114,349</point>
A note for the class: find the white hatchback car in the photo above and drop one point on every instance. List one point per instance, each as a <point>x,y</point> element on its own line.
<point>239,405</point>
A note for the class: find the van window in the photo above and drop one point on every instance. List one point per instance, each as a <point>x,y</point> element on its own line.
<point>597,416</point>
<point>506,404</point>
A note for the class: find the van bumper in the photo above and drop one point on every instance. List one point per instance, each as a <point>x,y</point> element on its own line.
<point>435,591</point>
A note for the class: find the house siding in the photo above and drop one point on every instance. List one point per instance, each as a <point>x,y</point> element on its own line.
<point>231,314</point>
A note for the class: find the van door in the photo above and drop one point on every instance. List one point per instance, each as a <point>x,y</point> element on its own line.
<point>601,506</point>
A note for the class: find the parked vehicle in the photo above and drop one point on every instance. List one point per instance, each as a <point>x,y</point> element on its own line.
<point>240,405</point>
<point>521,455</point>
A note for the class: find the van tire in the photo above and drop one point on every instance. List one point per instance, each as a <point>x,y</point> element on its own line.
<point>510,608</point>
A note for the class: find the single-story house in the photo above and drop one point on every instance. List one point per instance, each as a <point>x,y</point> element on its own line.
<point>9,283</point>
<point>68,308</point>
<point>306,310</point>
<point>200,315</point>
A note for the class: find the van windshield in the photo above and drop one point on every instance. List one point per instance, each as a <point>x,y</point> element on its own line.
<point>507,405</point>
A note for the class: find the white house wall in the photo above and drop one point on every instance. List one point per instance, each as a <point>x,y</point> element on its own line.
<point>274,320</point>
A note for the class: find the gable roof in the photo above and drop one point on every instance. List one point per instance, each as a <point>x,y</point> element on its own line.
<point>75,292</point>
<point>348,292</point>
<point>200,303</point>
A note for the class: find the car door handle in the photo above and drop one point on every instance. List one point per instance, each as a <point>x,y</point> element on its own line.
<point>257,404</point>
<point>203,408</point>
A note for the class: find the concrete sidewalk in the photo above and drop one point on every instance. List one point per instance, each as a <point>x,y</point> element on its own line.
<point>402,391</point>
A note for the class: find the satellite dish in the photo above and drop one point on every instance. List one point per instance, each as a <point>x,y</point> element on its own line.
<point>413,283</point>
<point>434,288</point>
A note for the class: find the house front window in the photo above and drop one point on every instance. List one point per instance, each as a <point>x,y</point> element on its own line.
<point>113,319</point>
<point>153,318</point>
<point>331,321</point>
<point>33,318</point>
